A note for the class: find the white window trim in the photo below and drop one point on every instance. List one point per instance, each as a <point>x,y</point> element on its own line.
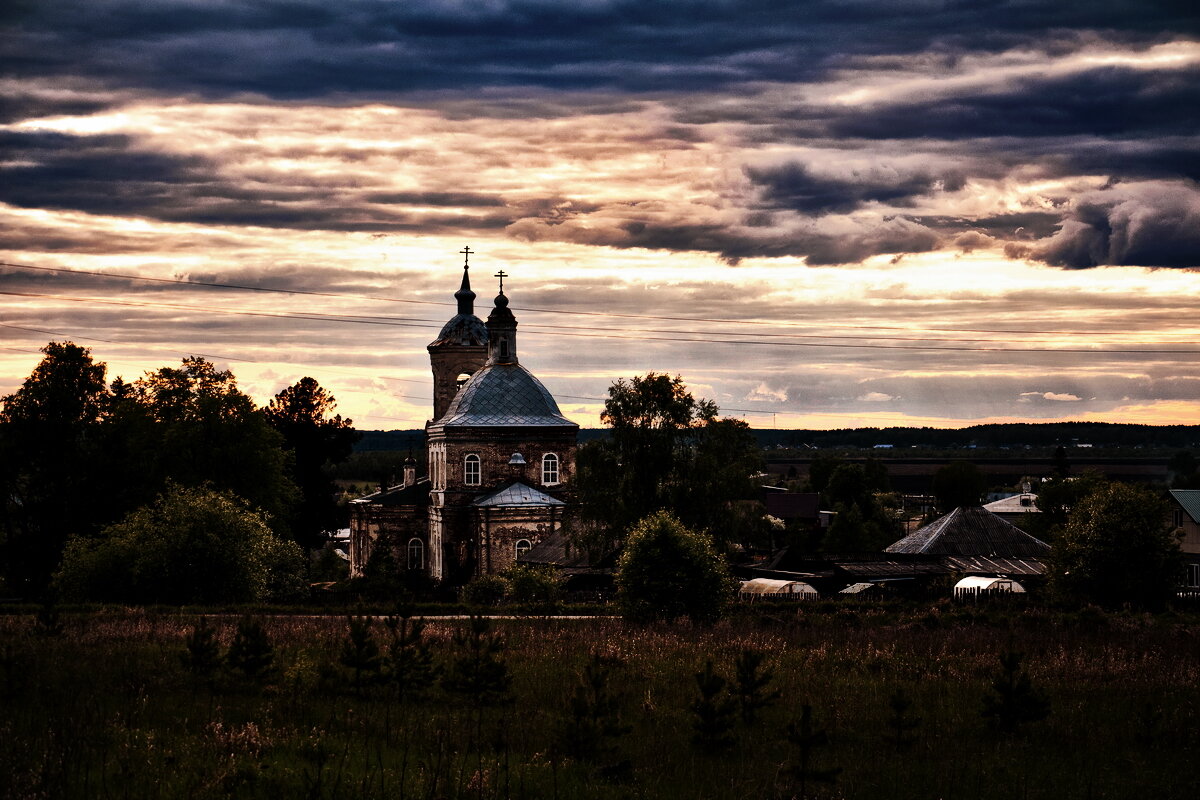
<point>517,551</point>
<point>548,457</point>
<point>468,460</point>
<point>420,550</point>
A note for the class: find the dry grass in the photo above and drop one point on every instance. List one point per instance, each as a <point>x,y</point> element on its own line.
<point>106,709</point>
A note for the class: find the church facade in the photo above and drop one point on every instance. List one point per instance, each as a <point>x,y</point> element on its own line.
<point>500,460</point>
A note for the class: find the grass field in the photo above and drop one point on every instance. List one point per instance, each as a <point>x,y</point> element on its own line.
<point>105,707</point>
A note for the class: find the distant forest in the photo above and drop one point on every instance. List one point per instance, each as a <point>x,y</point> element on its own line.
<point>984,437</point>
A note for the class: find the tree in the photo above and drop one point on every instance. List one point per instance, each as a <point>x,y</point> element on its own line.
<point>1116,549</point>
<point>959,483</point>
<point>193,545</point>
<point>194,426</point>
<point>667,571</point>
<point>862,523</point>
<point>48,465</point>
<point>667,450</point>
<point>316,437</point>
<point>1014,700</point>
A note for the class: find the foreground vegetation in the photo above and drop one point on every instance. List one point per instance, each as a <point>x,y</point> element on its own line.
<point>117,704</point>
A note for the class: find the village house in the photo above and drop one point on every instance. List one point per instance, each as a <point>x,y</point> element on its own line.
<point>1185,518</point>
<point>501,459</point>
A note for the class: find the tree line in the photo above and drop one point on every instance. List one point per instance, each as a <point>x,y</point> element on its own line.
<point>107,464</point>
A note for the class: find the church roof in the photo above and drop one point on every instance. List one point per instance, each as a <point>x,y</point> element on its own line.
<point>503,394</point>
<point>416,494</point>
<point>517,495</point>
<point>971,531</point>
<point>462,329</point>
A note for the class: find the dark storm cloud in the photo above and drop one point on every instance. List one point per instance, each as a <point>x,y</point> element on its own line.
<point>115,175</point>
<point>1110,101</point>
<point>295,49</point>
<point>797,187</point>
<point>1148,225</point>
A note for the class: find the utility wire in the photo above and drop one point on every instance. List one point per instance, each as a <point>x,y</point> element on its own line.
<point>607,314</point>
<point>363,320</point>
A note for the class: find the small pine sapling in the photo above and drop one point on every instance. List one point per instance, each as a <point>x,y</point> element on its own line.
<point>900,723</point>
<point>595,721</point>
<point>409,664</point>
<point>360,652</point>
<point>714,709</point>
<point>1013,700</point>
<point>752,680</point>
<point>251,652</point>
<point>478,671</point>
<point>48,619</point>
<point>807,740</point>
<point>202,656</point>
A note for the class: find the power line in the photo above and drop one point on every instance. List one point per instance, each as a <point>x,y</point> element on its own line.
<point>572,312</point>
<point>391,322</point>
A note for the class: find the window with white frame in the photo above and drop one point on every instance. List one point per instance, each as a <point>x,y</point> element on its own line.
<point>522,547</point>
<point>416,554</point>
<point>471,472</point>
<point>549,469</point>
<point>1193,576</point>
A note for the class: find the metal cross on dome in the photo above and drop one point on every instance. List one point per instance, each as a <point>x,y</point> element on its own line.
<point>466,251</point>
<point>501,275</point>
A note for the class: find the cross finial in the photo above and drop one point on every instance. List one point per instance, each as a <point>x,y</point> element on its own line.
<point>501,275</point>
<point>466,251</point>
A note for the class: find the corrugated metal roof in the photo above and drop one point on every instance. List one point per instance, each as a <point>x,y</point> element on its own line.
<point>971,531</point>
<point>502,395</point>
<point>1190,500</point>
<point>415,495</point>
<point>1000,566</point>
<point>516,495</point>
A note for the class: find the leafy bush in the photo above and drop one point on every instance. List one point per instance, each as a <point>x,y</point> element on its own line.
<point>668,571</point>
<point>486,590</point>
<point>193,545</point>
<point>535,586</point>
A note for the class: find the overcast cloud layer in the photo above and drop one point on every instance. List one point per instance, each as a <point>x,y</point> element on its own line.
<point>983,210</point>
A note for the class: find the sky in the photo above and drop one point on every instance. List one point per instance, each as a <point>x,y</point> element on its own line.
<point>818,214</point>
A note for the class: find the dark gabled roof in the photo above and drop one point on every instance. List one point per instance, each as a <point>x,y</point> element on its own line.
<point>971,531</point>
<point>793,505</point>
<point>516,495</point>
<point>415,495</point>
<point>1190,500</point>
<point>503,395</point>
<point>556,550</point>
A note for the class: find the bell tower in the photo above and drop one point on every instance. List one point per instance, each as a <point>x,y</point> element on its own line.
<point>460,349</point>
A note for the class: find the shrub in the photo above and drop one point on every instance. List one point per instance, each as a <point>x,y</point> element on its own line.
<point>193,545</point>
<point>532,585</point>
<point>486,590</point>
<point>668,571</point>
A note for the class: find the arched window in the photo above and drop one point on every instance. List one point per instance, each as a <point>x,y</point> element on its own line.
<point>549,469</point>
<point>416,554</point>
<point>522,547</point>
<point>471,474</point>
<point>462,378</point>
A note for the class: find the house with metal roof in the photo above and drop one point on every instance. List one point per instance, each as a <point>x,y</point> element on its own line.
<point>971,531</point>
<point>1185,518</point>
<point>501,456</point>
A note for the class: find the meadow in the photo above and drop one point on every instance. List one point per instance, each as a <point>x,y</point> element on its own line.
<point>106,704</point>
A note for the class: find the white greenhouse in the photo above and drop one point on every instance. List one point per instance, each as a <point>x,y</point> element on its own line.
<point>768,588</point>
<point>976,585</point>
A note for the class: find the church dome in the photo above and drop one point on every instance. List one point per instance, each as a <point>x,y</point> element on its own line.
<point>503,394</point>
<point>463,329</point>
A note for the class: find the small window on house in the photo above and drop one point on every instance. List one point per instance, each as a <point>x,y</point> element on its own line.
<point>549,469</point>
<point>1193,576</point>
<point>1178,520</point>
<point>416,554</point>
<point>471,473</point>
<point>523,546</point>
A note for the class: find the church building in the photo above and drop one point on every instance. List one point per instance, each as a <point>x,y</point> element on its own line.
<point>501,458</point>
